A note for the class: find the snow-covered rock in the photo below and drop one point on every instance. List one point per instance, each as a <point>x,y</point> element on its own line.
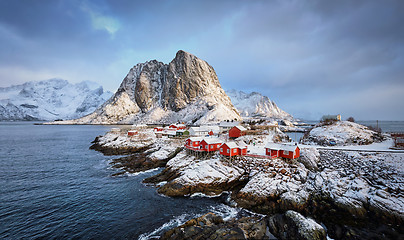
<point>341,133</point>
<point>50,100</point>
<point>309,157</point>
<point>256,105</point>
<point>210,177</point>
<point>187,90</point>
<point>293,225</point>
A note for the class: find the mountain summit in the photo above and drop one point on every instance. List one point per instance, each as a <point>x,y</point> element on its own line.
<point>187,89</point>
<point>256,105</point>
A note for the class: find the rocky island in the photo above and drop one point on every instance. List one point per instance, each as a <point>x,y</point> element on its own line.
<point>326,192</point>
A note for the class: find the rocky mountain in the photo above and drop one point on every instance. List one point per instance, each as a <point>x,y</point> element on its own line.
<point>256,105</point>
<point>50,100</point>
<point>187,89</point>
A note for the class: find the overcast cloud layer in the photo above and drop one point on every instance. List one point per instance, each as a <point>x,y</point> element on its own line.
<point>310,57</point>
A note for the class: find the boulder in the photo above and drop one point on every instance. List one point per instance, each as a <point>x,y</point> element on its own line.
<point>293,225</point>
<point>210,226</point>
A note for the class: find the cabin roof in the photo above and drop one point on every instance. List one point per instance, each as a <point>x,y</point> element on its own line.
<point>232,145</point>
<point>195,139</point>
<point>278,146</point>
<point>228,124</point>
<point>241,128</point>
<point>212,140</point>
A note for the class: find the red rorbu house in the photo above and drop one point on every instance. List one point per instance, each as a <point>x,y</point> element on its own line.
<point>193,143</point>
<point>282,150</point>
<point>177,126</point>
<point>210,144</point>
<point>233,149</point>
<point>132,133</point>
<point>158,129</point>
<point>237,131</point>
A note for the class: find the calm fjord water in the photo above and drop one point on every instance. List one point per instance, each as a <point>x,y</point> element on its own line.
<point>53,186</point>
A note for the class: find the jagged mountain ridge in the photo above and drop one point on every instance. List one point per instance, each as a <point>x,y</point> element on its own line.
<point>187,89</point>
<point>50,100</point>
<point>256,105</point>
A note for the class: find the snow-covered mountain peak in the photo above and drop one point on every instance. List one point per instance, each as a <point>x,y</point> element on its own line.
<point>50,99</point>
<point>256,105</point>
<point>187,89</point>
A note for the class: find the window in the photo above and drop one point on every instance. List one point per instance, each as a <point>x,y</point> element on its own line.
<point>228,151</point>
<point>286,152</point>
<point>221,150</point>
<point>206,146</point>
<point>234,150</point>
<point>211,146</point>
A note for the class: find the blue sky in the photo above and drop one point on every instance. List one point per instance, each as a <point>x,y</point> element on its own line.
<point>310,57</point>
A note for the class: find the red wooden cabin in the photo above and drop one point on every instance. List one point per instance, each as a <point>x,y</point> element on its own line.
<point>282,150</point>
<point>211,144</point>
<point>237,131</point>
<point>158,129</point>
<point>193,142</point>
<point>177,126</point>
<point>233,149</point>
<point>132,133</point>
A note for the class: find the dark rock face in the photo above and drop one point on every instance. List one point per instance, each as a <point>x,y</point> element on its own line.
<point>293,225</point>
<point>144,82</point>
<point>188,78</point>
<point>175,189</point>
<point>210,226</point>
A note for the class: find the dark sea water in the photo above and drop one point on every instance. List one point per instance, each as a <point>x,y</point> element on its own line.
<point>53,186</point>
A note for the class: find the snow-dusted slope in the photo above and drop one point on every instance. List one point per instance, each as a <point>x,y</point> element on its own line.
<point>50,100</point>
<point>341,133</point>
<point>187,89</point>
<point>256,105</point>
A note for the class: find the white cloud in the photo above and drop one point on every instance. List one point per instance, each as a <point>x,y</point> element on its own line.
<point>102,22</point>
<point>14,75</point>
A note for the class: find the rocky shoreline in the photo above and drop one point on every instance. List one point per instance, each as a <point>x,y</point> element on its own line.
<point>342,192</point>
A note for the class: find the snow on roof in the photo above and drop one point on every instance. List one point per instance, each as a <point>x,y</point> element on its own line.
<point>197,129</point>
<point>240,144</point>
<point>212,140</point>
<point>195,139</point>
<point>229,124</point>
<point>277,146</point>
<point>274,146</point>
<point>205,129</point>
<point>178,125</point>
<point>241,128</point>
<point>231,144</point>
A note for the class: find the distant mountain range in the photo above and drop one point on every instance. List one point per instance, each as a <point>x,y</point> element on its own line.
<point>256,105</point>
<point>187,90</point>
<point>50,100</point>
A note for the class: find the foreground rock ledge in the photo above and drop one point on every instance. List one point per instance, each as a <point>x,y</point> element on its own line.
<point>210,226</point>
<point>290,225</point>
